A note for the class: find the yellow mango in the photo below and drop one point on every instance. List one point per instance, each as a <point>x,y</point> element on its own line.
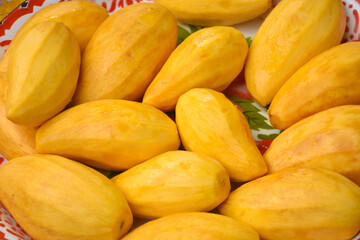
<point>193,226</point>
<point>81,17</point>
<point>210,58</point>
<point>15,140</point>
<point>329,139</point>
<point>174,182</point>
<point>216,12</point>
<point>43,72</point>
<point>109,134</point>
<point>126,52</point>
<point>211,124</point>
<point>54,198</point>
<point>329,80</point>
<point>294,32</point>
<point>298,204</point>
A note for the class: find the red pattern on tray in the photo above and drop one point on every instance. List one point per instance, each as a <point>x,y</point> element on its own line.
<point>17,13</point>
<point>9,229</point>
<point>352,31</point>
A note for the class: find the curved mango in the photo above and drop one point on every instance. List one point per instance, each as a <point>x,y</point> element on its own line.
<point>81,17</point>
<point>42,75</point>
<point>216,12</point>
<point>329,139</point>
<point>126,53</point>
<point>174,182</point>
<point>298,204</point>
<point>211,124</point>
<point>54,198</point>
<point>294,32</point>
<point>109,134</point>
<point>209,58</point>
<point>193,226</point>
<point>329,80</point>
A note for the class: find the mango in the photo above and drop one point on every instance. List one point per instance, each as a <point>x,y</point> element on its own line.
<point>292,34</point>
<point>298,204</point>
<point>216,12</point>
<point>193,226</point>
<point>43,72</point>
<point>109,134</point>
<point>329,80</point>
<point>209,58</point>
<point>81,17</point>
<point>329,139</point>
<point>211,124</point>
<point>15,140</point>
<point>126,52</point>
<point>54,198</point>
<point>174,182</point>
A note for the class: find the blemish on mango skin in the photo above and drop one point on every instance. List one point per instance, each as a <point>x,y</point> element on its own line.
<point>122,224</point>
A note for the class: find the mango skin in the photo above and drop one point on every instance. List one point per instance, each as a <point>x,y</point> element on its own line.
<point>298,204</point>
<point>209,58</point>
<point>211,124</point>
<point>216,12</point>
<point>54,198</point>
<point>193,226</point>
<point>81,17</point>
<point>174,182</point>
<point>43,72</point>
<point>292,34</point>
<point>329,139</point>
<point>329,80</point>
<point>109,134</point>
<point>126,52</point>
<point>15,140</point>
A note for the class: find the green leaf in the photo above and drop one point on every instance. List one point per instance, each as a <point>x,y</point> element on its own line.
<point>249,41</point>
<point>252,113</point>
<point>182,34</point>
<point>265,137</point>
<point>194,28</point>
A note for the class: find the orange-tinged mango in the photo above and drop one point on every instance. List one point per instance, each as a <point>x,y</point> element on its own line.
<point>193,226</point>
<point>210,58</point>
<point>81,17</point>
<point>174,182</point>
<point>329,80</point>
<point>329,139</point>
<point>109,134</point>
<point>15,140</point>
<point>298,204</point>
<point>126,52</point>
<point>216,12</point>
<point>43,72</point>
<point>293,33</point>
<point>54,198</point>
<point>211,124</point>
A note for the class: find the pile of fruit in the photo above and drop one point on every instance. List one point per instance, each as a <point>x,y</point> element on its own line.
<point>82,92</point>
